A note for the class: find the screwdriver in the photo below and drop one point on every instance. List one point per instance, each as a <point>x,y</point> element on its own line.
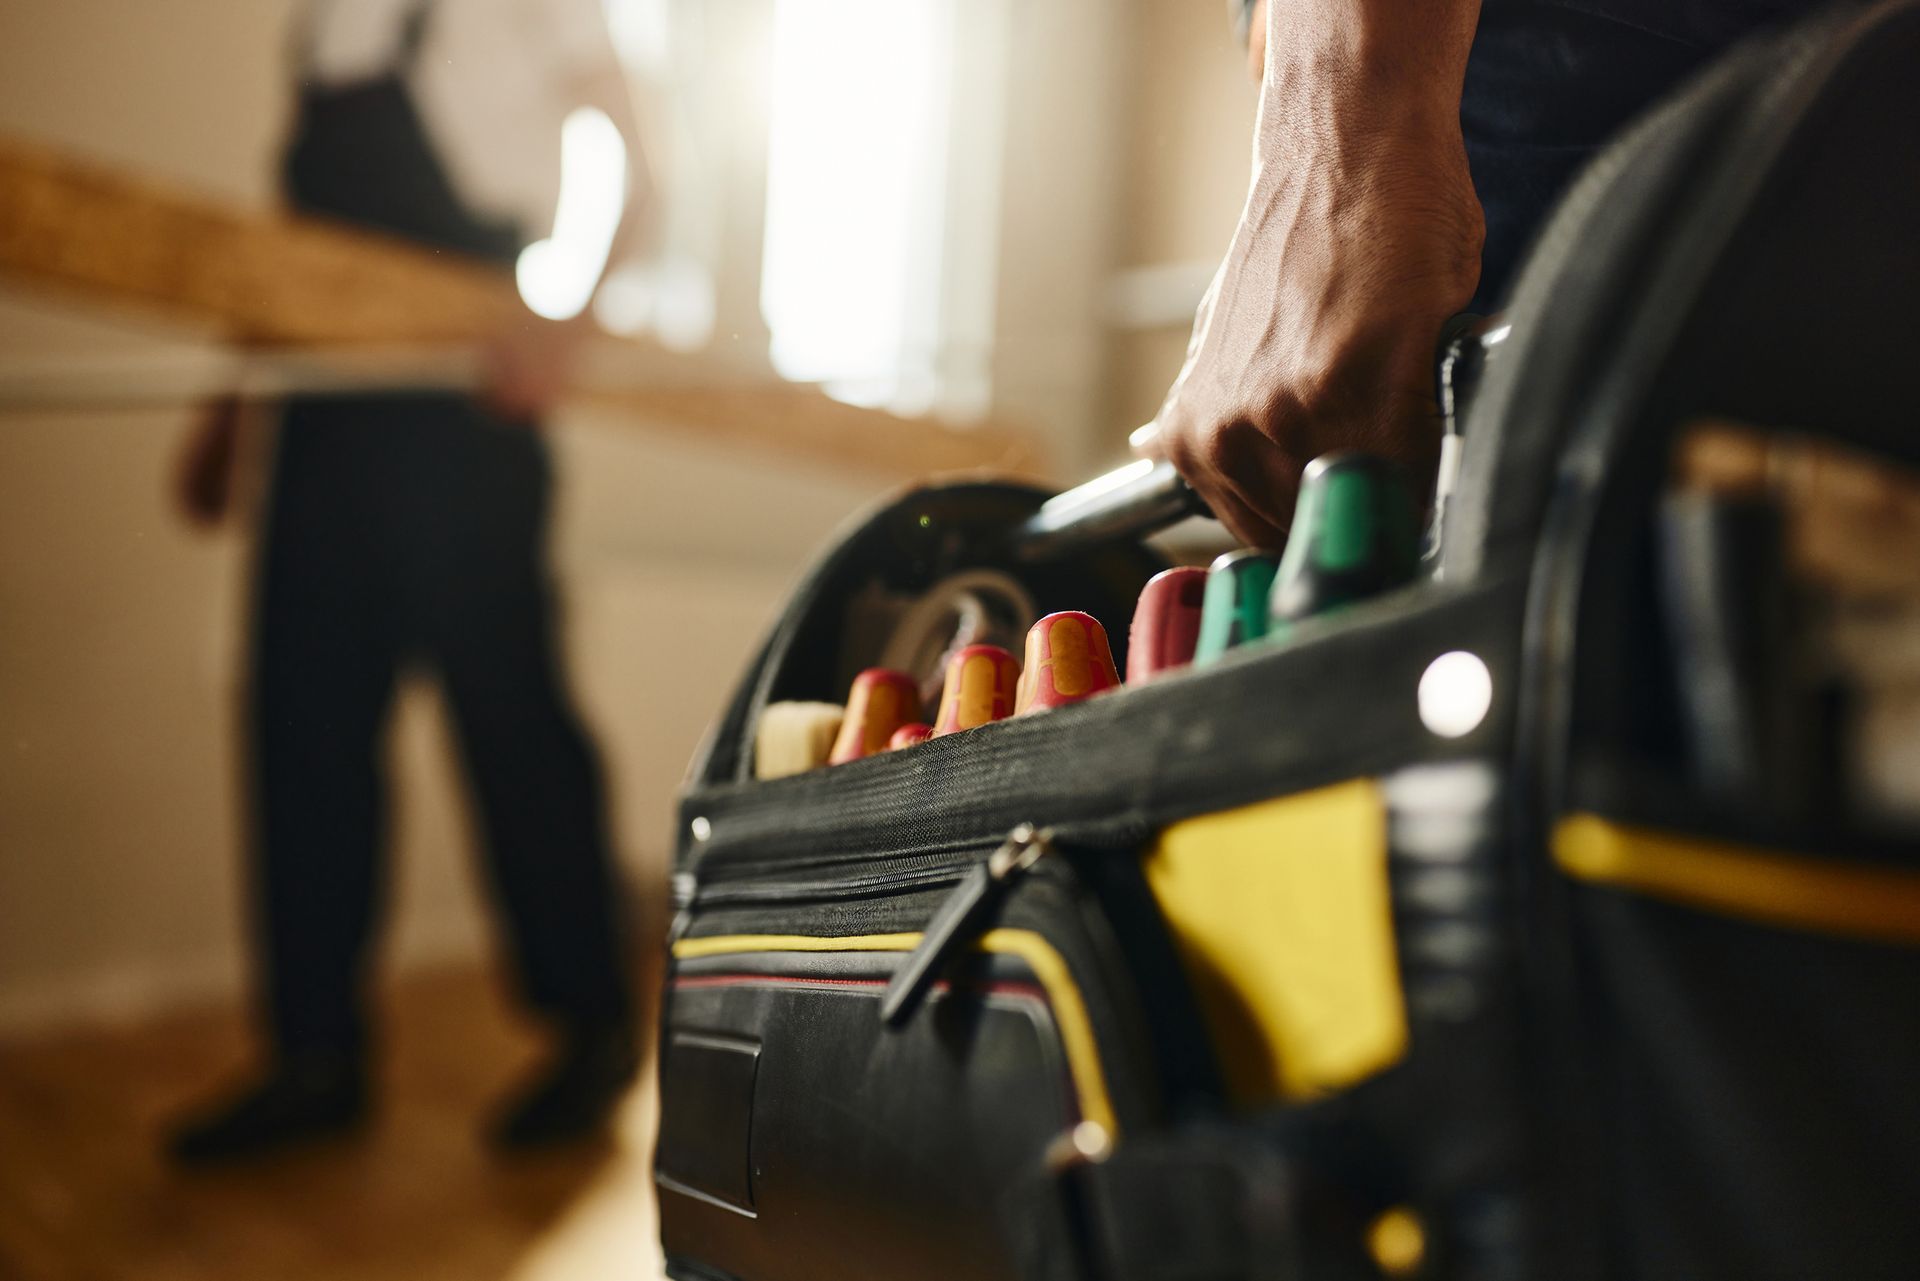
<point>794,737</point>
<point>910,735</point>
<point>981,681</point>
<point>1166,622</point>
<point>1234,608</point>
<point>1355,534</point>
<point>1068,659</point>
<point>880,702</point>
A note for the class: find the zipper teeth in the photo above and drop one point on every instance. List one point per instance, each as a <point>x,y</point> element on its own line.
<point>1097,838</point>
<point>771,880</point>
<point>843,888</point>
<point>710,872</point>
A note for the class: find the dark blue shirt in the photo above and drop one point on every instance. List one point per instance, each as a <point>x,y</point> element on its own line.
<point>1550,81</point>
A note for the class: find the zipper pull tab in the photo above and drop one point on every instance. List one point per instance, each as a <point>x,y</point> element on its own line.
<point>961,919</point>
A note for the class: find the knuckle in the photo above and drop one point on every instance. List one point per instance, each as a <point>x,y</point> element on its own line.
<point>1215,442</point>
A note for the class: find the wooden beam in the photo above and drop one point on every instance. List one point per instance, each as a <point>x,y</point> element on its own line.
<point>801,422</point>
<point>276,279</point>
<point>266,278</point>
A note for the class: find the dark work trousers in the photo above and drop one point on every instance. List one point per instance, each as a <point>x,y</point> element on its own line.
<point>409,530</point>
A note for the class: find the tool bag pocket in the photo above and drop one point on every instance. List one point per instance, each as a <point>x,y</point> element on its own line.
<point>1748,1029</point>
<point>810,1134</point>
<point>1720,960</point>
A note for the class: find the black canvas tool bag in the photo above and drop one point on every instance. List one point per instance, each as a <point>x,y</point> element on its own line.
<point>1255,971</point>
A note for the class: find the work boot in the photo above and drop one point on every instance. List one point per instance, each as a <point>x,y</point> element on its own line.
<point>302,1099</point>
<point>574,1096</point>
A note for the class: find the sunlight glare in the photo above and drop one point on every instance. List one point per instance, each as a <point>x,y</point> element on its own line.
<point>557,275</point>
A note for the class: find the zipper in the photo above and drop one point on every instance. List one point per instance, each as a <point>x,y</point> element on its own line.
<point>712,872</point>
<point>746,882</point>
<point>981,884</point>
<point>963,917</point>
<point>763,881</point>
<point>844,887</point>
<point>983,877</point>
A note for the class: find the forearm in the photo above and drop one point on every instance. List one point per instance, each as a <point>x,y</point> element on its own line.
<point>1360,236</point>
<point>1347,69</point>
<point>1359,132</point>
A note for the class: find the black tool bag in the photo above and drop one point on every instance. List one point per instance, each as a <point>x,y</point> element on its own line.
<point>1289,967</point>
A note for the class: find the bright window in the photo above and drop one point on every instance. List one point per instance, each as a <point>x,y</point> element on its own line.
<point>862,195</point>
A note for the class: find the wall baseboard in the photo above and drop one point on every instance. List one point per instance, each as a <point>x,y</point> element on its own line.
<point>116,996</point>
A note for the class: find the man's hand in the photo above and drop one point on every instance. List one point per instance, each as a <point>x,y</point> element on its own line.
<point>204,476</point>
<point>528,366</point>
<point>1360,237</point>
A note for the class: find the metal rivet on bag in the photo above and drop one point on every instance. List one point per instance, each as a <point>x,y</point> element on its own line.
<point>1455,694</point>
<point>701,829</point>
<point>1087,1143</point>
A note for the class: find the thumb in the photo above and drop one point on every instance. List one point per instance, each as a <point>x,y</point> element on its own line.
<point>1146,442</point>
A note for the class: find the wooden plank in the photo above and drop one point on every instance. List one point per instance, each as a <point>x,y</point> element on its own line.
<point>253,277</point>
<point>800,421</point>
<point>276,279</point>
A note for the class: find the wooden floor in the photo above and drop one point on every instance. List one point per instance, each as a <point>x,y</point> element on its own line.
<point>84,1195</point>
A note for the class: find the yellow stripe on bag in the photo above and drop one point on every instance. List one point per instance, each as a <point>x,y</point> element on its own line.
<point>1282,915</point>
<point>1063,994</point>
<point>1877,903</point>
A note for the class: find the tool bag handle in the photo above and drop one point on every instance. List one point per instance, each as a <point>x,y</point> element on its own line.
<point>1147,496</point>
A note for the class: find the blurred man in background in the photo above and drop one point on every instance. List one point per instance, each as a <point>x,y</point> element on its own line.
<point>1404,156</point>
<point>404,529</point>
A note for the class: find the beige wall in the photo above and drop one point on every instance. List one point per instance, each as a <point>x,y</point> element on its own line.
<point>1188,137</point>
<point>120,636</point>
<point>1189,133</point>
<point>186,88</point>
<point>1063,162</point>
